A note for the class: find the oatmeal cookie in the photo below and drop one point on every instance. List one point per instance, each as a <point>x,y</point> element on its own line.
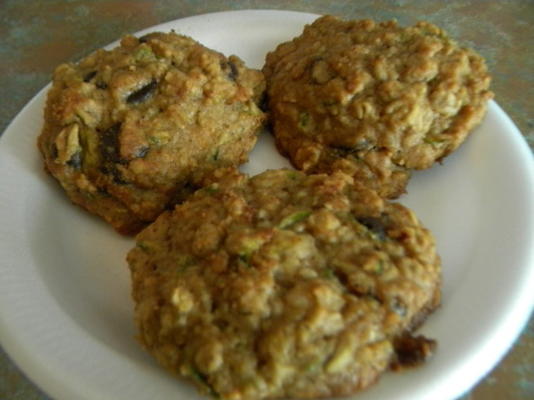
<point>130,131</point>
<point>284,285</point>
<point>375,100</point>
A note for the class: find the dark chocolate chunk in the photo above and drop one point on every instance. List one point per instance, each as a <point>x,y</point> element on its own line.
<point>76,160</point>
<point>234,72</point>
<point>109,143</point>
<point>89,76</point>
<point>53,150</point>
<point>398,307</point>
<point>110,151</point>
<point>143,93</point>
<point>346,151</point>
<point>142,152</point>
<point>231,70</point>
<point>146,38</point>
<point>375,225</point>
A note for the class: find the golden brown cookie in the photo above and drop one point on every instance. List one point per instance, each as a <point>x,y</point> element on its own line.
<point>375,100</point>
<point>130,131</point>
<point>284,285</point>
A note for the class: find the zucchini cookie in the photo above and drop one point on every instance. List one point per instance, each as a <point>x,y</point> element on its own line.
<point>375,100</point>
<point>130,131</point>
<point>284,285</point>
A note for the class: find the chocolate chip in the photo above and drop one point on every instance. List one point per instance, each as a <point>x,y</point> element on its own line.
<point>142,94</point>
<point>110,151</point>
<point>76,160</point>
<point>375,225</point>
<point>348,151</point>
<point>234,72</point>
<point>398,307</point>
<point>109,143</point>
<point>53,151</point>
<point>147,37</point>
<point>142,152</point>
<point>89,76</point>
<point>231,70</point>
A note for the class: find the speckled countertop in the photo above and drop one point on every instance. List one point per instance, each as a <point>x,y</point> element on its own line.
<point>37,35</point>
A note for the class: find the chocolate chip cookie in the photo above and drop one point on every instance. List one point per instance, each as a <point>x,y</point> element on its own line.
<point>375,100</point>
<point>284,285</point>
<point>130,131</point>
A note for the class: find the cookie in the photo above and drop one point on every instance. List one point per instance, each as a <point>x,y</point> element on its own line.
<point>374,100</point>
<point>130,131</point>
<point>284,285</point>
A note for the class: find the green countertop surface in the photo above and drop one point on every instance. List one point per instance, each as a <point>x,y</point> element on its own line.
<point>38,35</point>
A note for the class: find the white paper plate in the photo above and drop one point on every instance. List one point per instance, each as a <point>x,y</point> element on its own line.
<point>65,307</point>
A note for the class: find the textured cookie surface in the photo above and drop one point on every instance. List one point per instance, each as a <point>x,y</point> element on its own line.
<point>129,131</point>
<point>375,100</point>
<point>284,285</point>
